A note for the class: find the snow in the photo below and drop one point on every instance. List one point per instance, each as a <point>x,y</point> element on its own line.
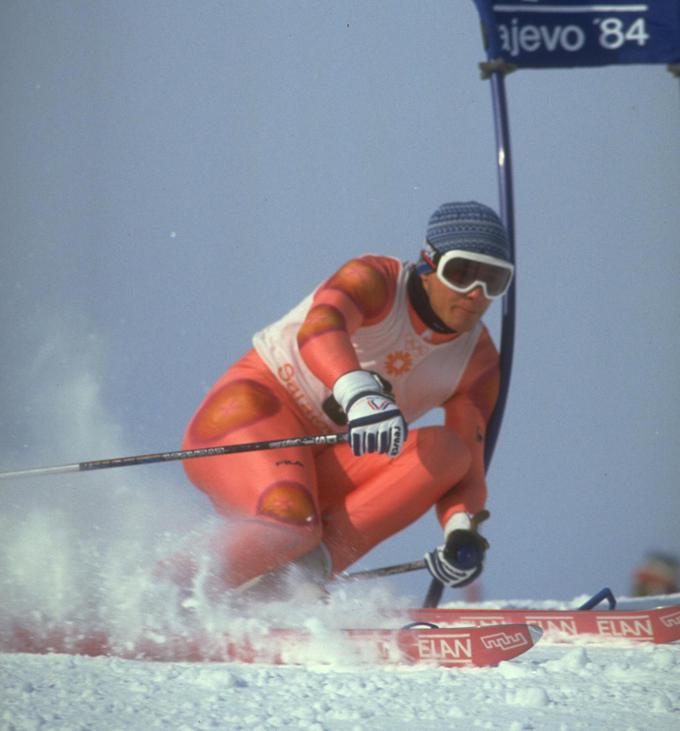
<point>577,686</point>
<point>57,569</point>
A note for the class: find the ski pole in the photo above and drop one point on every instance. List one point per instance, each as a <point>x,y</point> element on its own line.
<point>103,464</point>
<point>400,568</point>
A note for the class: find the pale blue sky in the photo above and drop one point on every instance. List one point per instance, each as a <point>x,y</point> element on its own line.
<point>176,175</point>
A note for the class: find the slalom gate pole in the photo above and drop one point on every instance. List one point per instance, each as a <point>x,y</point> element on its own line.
<point>103,464</point>
<point>496,74</point>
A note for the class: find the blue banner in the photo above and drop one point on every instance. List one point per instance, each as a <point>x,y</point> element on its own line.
<point>544,34</point>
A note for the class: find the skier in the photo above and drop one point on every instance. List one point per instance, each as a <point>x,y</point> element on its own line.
<point>377,345</point>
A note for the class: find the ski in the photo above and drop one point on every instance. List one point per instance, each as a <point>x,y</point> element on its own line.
<point>442,647</point>
<point>659,625</point>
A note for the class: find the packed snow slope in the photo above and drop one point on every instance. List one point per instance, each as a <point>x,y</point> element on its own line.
<point>573,686</point>
<point>55,574</point>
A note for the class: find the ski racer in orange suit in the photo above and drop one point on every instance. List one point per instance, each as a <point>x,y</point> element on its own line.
<point>374,347</point>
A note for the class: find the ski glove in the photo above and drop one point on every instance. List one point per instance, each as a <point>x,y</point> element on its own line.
<point>461,559</point>
<point>374,420</point>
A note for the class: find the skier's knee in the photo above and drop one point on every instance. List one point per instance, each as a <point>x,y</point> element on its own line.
<point>444,453</point>
<point>288,502</point>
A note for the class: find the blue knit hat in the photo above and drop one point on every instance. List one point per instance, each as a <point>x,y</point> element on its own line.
<point>469,226</point>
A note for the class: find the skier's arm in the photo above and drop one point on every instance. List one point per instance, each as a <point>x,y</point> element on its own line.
<point>360,293</point>
<point>468,412</point>
<point>460,559</point>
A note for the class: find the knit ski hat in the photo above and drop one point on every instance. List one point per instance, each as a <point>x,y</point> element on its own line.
<point>469,226</point>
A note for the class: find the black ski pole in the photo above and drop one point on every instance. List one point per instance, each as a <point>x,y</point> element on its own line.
<point>103,464</point>
<point>400,568</point>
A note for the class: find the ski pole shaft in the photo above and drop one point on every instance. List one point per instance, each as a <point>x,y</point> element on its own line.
<point>400,568</point>
<point>103,464</point>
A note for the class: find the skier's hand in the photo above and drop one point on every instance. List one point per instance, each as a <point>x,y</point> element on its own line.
<point>374,420</point>
<point>376,425</point>
<point>460,560</point>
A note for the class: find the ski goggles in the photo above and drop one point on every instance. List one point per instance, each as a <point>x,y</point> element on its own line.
<point>462,271</point>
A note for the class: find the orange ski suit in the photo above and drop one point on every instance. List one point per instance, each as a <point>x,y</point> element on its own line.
<point>281,504</point>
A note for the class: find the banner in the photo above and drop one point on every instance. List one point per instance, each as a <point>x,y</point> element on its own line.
<point>544,34</point>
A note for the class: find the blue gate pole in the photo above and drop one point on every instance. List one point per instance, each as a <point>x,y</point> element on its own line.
<point>496,72</point>
<point>507,214</point>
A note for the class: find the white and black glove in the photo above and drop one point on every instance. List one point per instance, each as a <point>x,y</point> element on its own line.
<point>374,420</point>
<point>461,559</point>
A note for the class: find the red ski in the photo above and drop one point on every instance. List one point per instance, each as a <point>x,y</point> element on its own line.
<point>658,625</point>
<point>443,647</point>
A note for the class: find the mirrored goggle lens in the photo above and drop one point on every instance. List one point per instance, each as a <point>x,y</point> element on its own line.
<point>463,273</point>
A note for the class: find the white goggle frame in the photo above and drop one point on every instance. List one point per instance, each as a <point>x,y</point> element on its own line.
<point>446,257</point>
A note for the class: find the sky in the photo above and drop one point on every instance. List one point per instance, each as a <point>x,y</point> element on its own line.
<point>178,175</point>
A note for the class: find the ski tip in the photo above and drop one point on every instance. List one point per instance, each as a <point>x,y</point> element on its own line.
<point>536,632</point>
